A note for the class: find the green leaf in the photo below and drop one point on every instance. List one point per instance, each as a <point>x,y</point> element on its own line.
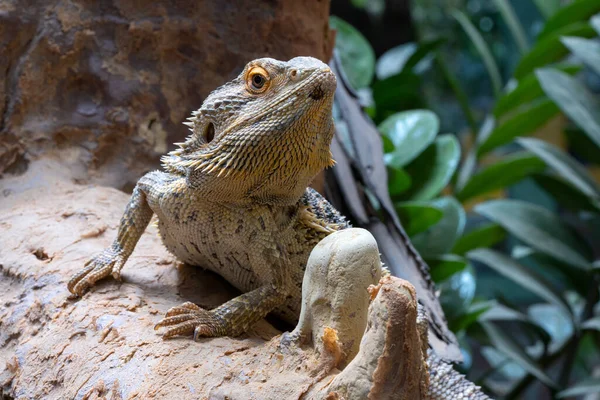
<point>586,50</point>
<point>555,320</point>
<point>514,26</point>
<point>581,145</point>
<point>433,169</point>
<point>547,7</point>
<point>500,312</point>
<point>457,89</point>
<point>588,386</point>
<point>528,90</point>
<point>565,194</point>
<point>398,181</point>
<point>574,99</point>
<point>418,57</point>
<point>410,132</point>
<point>443,267</point>
<point>521,275</point>
<point>418,216</point>
<point>456,294</point>
<point>526,121</point>
<point>470,163</point>
<point>439,238</point>
<point>512,350</point>
<point>502,174</point>
<point>398,92</point>
<point>592,324</point>
<point>595,22</point>
<point>392,62</point>
<point>472,314</point>
<point>537,227</point>
<point>484,236</point>
<point>356,55</point>
<point>563,164</point>
<point>482,49</point>
<point>404,57</point>
<point>577,11</point>
<point>550,49</point>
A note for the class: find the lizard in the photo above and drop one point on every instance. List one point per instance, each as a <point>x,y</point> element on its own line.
<point>234,198</point>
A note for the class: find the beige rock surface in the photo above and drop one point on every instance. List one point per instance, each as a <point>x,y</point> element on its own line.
<point>104,345</point>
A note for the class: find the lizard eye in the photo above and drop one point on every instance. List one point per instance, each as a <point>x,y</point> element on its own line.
<point>258,80</point>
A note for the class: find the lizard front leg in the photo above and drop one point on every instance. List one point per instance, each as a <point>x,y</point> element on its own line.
<point>133,223</point>
<point>237,315</point>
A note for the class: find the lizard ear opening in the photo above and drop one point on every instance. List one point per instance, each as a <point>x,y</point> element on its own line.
<point>209,132</point>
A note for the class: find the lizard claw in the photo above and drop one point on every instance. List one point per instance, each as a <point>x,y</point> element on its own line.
<point>188,318</point>
<point>110,261</point>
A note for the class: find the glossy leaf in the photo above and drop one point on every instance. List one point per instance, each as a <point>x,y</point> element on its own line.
<point>580,10</point>
<point>410,132</point>
<point>473,313</point>
<point>398,92</point>
<point>574,99</point>
<point>521,275</point>
<point>500,312</point>
<point>355,52</point>
<point>587,50</point>
<point>419,57</point>
<point>547,7</point>
<point>581,145</point>
<point>550,49</point>
<point>522,123</point>
<point>484,236</point>
<point>457,292</point>
<point>555,321</point>
<point>392,62</point>
<point>513,24</point>
<point>457,89</point>
<point>440,238</point>
<point>592,324</point>
<point>433,169</point>
<point>527,90</point>
<point>510,348</point>
<point>565,194</point>
<point>418,216</point>
<point>482,49</point>
<point>443,267</point>
<point>398,181</point>
<point>502,174</point>
<point>470,163</point>
<point>595,22</point>
<point>563,164</point>
<point>404,57</point>
<point>537,227</point>
<point>588,386</point>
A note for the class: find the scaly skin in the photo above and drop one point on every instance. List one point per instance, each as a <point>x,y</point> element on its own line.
<point>234,199</point>
<point>230,204</point>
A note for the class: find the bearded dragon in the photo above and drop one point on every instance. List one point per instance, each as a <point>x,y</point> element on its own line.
<point>234,197</point>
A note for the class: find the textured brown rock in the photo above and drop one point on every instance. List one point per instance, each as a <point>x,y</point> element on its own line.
<point>104,85</point>
<point>104,345</point>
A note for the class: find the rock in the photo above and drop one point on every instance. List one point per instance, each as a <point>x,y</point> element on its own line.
<point>104,345</point>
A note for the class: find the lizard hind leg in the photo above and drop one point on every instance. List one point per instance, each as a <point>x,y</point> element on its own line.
<point>229,319</point>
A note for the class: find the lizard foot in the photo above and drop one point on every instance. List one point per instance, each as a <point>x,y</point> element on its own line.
<point>189,318</point>
<point>98,267</point>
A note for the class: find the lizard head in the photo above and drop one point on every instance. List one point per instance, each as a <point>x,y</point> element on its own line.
<point>271,127</point>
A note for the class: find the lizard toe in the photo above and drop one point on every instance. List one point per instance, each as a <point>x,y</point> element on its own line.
<point>189,318</point>
<point>94,269</point>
